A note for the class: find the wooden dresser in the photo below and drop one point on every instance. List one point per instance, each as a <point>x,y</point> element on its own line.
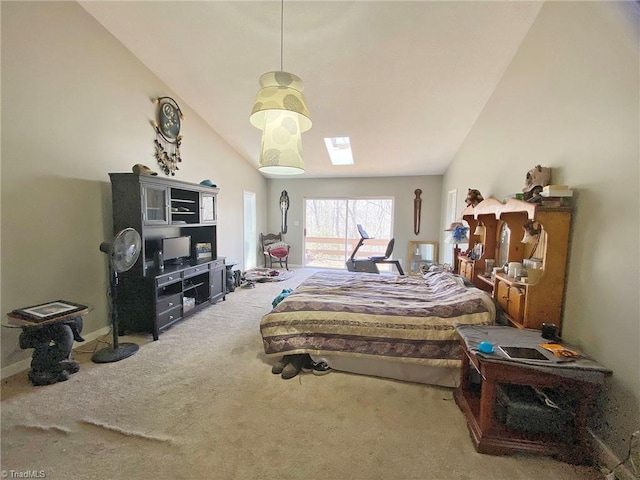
<point>539,299</point>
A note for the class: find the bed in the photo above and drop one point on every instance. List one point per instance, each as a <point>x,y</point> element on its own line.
<point>399,327</point>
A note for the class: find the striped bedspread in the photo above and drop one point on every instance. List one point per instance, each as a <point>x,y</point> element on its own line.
<point>409,319</point>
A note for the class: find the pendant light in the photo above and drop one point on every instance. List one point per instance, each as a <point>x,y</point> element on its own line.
<point>281,151</point>
<point>281,112</point>
<point>280,92</point>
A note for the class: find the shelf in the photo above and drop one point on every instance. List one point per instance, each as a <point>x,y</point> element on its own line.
<point>180,200</point>
<point>500,439</point>
<point>191,287</point>
<point>510,280</point>
<point>487,280</point>
<point>514,323</point>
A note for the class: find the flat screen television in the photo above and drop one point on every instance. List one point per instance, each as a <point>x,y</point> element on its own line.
<point>176,249</point>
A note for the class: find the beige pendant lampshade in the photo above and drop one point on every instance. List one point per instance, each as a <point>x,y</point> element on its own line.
<point>281,151</point>
<point>281,91</point>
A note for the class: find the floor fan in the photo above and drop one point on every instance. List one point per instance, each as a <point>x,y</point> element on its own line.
<point>123,253</point>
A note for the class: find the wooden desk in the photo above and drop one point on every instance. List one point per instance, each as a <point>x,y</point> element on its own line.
<point>490,436</point>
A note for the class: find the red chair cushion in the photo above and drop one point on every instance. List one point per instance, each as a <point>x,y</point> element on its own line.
<point>279,252</point>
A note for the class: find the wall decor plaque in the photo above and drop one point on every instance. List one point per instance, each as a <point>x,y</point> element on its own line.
<point>168,138</point>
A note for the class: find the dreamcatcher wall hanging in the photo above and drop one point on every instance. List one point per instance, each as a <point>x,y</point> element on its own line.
<point>168,138</point>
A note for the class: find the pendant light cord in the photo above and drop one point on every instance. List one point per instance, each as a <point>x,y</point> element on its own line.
<point>281,33</point>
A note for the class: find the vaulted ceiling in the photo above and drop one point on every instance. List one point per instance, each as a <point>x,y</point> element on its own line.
<point>405,81</point>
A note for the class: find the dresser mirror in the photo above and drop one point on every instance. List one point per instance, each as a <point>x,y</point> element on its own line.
<point>422,255</point>
<point>504,235</point>
<point>534,252</point>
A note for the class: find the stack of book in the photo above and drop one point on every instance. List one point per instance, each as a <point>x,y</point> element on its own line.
<point>556,196</point>
<point>556,191</point>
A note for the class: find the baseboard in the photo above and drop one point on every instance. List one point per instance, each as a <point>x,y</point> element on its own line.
<point>24,365</point>
<point>17,367</point>
<point>605,457</point>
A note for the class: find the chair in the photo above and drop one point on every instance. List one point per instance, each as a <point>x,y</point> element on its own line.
<point>385,258</point>
<point>274,248</point>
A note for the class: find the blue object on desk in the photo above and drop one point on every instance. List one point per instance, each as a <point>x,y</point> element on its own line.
<point>485,347</point>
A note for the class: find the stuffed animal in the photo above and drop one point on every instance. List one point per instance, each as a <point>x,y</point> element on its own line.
<point>537,178</point>
<point>474,197</point>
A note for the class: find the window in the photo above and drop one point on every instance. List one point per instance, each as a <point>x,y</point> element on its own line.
<point>339,149</point>
<point>331,231</point>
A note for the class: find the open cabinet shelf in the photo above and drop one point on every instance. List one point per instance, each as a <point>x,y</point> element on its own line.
<point>161,290</point>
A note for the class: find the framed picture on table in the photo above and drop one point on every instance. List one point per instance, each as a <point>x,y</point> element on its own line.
<point>48,311</point>
<point>203,251</point>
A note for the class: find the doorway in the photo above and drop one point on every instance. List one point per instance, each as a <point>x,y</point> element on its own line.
<point>250,233</point>
<point>452,200</point>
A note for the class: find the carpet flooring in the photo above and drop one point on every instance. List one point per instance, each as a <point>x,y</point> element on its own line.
<point>202,403</point>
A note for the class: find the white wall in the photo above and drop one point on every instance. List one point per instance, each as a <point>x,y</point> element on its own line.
<point>569,100</point>
<point>400,188</point>
<point>76,105</point>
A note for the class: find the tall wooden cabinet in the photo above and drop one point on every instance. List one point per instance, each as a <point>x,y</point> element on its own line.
<point>539,299</point>
<point>153,295</point>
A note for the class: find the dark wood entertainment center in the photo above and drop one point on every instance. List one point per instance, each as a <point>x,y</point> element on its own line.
<point>154,294</point>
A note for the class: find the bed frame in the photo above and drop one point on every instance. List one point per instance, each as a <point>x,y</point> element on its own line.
<point>381,325</point>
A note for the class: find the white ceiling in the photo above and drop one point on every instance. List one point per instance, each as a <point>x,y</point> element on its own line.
<point>404,80</point>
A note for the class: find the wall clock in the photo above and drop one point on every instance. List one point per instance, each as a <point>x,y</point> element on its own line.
<point>168,138</point>
<point>169,120</point>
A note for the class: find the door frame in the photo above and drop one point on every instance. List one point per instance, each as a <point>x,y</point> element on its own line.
<point>250,231</point>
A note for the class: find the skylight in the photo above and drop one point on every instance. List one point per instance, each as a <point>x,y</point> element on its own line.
<point>339,149</point>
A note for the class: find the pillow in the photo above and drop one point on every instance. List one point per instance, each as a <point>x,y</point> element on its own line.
<point>273,245</point>
<point>278,249</point>
<point>279,252</point>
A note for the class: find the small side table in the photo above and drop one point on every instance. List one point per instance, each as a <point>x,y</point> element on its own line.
<point>582,379</point>
<point>51,339</point>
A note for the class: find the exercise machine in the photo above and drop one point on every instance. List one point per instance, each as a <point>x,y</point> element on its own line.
<point>370,264</point>
<point>365,265</point>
